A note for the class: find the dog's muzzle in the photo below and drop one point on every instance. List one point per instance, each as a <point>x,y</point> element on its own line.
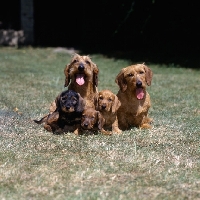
<point>138,84</point>
<point>81,67</point>
<point>103,107</point>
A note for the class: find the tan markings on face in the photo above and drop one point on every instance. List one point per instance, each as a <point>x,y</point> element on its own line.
<point>71,109</point>
<point>70,102</point>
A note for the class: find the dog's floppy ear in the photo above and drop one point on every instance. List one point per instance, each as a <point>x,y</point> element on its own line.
<point>101,120</point>
<point>96,96</point>
<point>67,76</point>
<point>148,75</point>
<point>116,104</point>
<point>81,103</point>
<point>95,74</point>
<point>120,80</point>
<point>55,105</point>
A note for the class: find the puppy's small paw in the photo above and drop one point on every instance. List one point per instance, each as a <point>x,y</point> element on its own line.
<point>58,131</point>
<point>76,132</point>
<point>48,128</point>
<point>117,131</point>
<point>106,132</point>
<point>146,126</point>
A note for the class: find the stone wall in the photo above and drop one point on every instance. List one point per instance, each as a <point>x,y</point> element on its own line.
<point>24,33</point>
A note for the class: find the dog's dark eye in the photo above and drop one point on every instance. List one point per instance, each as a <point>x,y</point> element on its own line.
<point>88,62</point>
<point>74,102</point>
<point>75,60</point>
<point>130,74</point>
<point>109,99</point>
<point>101,98</point>
<point>64,98</point>
<point>141,72</point>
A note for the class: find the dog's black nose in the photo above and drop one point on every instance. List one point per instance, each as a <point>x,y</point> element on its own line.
<point>103,106</point>
<point>86,124</point>
<point>138,83</point>
<point>81,67</point>
<point>67,107</point>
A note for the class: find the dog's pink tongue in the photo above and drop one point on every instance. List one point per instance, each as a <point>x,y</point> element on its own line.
<point>80,79</point>
<point>139,93</point>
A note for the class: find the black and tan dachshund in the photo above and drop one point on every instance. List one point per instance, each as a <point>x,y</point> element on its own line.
<point>65,115</point>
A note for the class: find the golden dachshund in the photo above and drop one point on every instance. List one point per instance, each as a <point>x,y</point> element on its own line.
<point>92,122</point>
<point>81,75</point>
<point>135,100</point>
<point>108,104</point>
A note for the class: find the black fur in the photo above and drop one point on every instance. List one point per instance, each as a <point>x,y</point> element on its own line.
<point>69,108</point>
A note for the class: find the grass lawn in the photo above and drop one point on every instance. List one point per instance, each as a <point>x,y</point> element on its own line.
<point>161,163</point>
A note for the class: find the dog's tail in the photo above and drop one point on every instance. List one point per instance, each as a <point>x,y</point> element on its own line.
<point>41,120</point>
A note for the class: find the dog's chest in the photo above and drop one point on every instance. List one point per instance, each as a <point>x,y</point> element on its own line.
<point>132,109</point>
<point>69,119</point>
<point>85,90</point>
<point>109,118</point>
<point>139,110</point>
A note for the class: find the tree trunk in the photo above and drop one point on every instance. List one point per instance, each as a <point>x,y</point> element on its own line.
<point>27,21</point>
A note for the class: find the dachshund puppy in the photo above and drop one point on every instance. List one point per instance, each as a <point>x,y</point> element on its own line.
<point>135,100</point>
<point>81,75</point>
<point>107,105</point>
<point>67,114</point>
<point>92,122</point>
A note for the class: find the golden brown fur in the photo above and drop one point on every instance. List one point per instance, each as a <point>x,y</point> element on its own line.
<point>107,105</point>
<point>81,75</point>
<point>135,100</point>
<point>92,122</point>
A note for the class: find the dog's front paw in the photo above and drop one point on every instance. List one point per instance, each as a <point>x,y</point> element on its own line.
<point>106,132</point>
<point>145,126</point>
<point>117,131</point>
<point>48,128</point>
<point>76,132</point>
<point>58,131</point>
